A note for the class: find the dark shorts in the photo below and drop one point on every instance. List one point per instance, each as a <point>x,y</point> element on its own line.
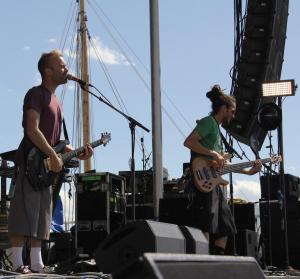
<point>212,213</point>
<point>30,211</point>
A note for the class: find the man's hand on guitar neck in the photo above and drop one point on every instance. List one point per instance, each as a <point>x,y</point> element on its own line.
<point>88,151</point>
<point>254,169</point>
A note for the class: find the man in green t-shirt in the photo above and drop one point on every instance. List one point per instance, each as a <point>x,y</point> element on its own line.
<point>215,218</point>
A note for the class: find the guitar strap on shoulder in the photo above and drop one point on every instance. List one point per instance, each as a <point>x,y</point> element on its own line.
<point>228,147</point>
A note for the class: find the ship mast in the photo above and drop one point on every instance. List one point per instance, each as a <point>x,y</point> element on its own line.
<point>84,77</point>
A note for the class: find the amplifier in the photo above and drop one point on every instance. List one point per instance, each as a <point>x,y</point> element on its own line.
<point>100,208</point>
<point>143,183</point>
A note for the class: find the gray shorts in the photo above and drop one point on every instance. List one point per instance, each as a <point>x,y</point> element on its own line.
<point>30,211</point>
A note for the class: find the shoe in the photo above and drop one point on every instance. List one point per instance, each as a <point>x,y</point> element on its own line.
<point>23,269</point>
<point>44,270</point>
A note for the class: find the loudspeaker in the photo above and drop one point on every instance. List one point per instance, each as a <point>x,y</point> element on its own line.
<point>177,211</point>
<point>195,241</point>
<point>272,234</point>
<point>245,243</point>
<point>166,266</point>
<point>270,185</point>
<point>131,241</point>
<point>142,211</point>
<point>244,216</point>
<point>260,59</point>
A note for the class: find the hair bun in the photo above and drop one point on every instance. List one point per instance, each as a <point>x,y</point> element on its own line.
<point>214,93</point>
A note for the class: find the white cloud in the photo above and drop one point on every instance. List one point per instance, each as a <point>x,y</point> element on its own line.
<point>106,54</point>
<point>246,190</point>
<point>27,48</point>
<point>52,40</point>
<point>99,51</point>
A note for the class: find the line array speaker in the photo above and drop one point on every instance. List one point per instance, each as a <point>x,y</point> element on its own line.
<point>260,59</point>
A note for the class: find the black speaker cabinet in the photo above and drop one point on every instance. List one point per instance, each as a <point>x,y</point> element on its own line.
<point>272,234</point>
<point>178,266</point>
<point>177,211</point>
<point>129,242</point>
<point>244,216</point>
<point>270,185</point>
<point>100,208</point>
<point>246,244</point>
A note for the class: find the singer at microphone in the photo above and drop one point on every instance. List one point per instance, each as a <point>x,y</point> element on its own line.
<point>80,81</point>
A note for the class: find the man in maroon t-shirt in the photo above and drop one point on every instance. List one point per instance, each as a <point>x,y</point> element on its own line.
<point>31,210</point>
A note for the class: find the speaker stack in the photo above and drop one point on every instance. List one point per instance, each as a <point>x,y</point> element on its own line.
<point>246,240</point>
<point>271,216</point>
<point>144,208</point>
<point>100,208</point>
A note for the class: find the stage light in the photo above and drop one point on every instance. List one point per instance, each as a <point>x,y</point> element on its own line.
<point>279,88</point>
<point>269,116</point>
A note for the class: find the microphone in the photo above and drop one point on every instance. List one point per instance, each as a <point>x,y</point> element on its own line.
<point>80,81</point>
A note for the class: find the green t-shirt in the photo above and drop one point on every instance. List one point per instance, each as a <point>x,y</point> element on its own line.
<point>208,129</point>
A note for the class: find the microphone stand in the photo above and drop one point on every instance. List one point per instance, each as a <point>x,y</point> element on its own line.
<point>230,149</point>
<point>132,124</point>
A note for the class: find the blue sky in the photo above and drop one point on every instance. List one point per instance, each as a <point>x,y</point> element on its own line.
<point>196,51</point>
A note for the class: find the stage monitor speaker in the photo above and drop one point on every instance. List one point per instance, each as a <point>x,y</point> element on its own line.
<point>195,241</point>
<point>131,241</point>
<point>178,266</point>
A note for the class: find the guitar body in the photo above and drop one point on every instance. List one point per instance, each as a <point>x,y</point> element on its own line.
<point>37,170</point>
<point>205,175</point>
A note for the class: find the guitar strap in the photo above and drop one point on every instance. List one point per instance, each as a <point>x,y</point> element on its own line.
<point>229,148</point>
<point>65,131</point>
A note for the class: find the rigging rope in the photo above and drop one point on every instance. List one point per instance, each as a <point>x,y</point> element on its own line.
<point>134,67</point>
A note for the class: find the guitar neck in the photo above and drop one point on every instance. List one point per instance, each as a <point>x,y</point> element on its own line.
<point>76,152</point>
<point>240,166</point>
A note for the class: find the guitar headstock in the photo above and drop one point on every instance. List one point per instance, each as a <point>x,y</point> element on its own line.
<point>275,159</point>
<point>105,138</point>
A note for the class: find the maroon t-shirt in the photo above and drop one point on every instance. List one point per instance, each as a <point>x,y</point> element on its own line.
<point>47,105</point>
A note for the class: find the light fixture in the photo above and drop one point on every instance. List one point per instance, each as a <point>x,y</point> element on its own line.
<point>269,116</point>
<point>279,88</point>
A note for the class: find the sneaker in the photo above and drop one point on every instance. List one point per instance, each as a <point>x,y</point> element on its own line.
<point>23,269</point>
<point>44,270</point>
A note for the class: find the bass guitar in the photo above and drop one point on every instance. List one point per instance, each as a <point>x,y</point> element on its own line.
<point>207,176</point>
<point>38,168</point>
